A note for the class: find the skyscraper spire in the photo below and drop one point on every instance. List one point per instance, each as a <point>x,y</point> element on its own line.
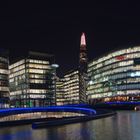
<point>82,70</point>
<point>83,40</point>
<point>83,53</point>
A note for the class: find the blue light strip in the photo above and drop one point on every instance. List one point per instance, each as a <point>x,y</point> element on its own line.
<point>132,103</point>
<point>13,111</point>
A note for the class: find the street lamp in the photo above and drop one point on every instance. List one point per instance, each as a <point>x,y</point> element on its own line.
<point>54,67</point>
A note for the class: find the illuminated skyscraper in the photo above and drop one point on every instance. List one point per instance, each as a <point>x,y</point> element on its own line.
<point>82,69</point>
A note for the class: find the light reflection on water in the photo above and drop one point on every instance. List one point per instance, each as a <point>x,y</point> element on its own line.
<point>123,126</point>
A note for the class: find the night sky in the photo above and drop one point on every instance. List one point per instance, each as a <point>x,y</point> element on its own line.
<point>57,29</point>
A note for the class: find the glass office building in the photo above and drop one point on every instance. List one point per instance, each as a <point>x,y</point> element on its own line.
<point>60,94</point>
<point>67,88</point>
<point>32,81</point>
<point>115,76</point>
<point>71,87</point>
<point>4,84</point>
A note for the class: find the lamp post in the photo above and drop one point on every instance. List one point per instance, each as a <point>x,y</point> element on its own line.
<point>54,67</point>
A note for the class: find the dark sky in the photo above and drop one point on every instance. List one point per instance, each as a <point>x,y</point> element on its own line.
<point>57,29</point>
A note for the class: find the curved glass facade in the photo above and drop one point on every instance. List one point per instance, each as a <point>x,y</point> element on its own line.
<point>115,76</point>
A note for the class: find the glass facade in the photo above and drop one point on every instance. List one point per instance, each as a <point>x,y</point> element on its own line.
<point>31,81</point>
<point>71,87</point>
<point>115,76</point>
<point>67,90</point>
<point>4,84</point>
<point>60,94</point>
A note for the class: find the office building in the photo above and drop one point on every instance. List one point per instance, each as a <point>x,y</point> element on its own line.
<point>4,84</point>
<point>67,88</point>
<point>32,80</point>
<point>71,87</point>
<point>60,94</point>
<point>115,76</point>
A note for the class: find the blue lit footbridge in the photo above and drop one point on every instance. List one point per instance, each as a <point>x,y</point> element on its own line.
<point>30,115</point>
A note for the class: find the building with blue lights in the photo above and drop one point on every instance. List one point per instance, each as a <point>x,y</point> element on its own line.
<point>115,76</point>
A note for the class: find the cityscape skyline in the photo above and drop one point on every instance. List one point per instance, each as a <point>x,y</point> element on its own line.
<point>69,63</point>
<point>57,30</point>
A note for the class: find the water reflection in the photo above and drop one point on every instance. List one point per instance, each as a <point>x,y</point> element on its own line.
<point>124,126</point>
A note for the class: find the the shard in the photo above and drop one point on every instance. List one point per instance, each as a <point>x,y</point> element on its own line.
<point>82,69</point>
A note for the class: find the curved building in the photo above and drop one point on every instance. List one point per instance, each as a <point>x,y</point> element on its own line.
<point>115,76</point>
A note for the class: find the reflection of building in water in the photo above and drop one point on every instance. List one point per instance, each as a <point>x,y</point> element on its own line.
<point>31,80</point>
<point>115,76</point>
